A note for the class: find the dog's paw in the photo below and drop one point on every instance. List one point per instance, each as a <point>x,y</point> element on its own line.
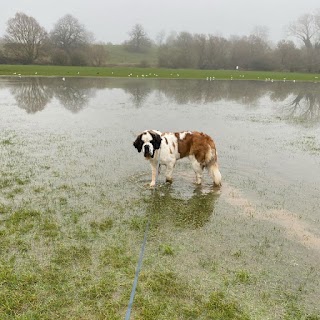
<point>152,184</point>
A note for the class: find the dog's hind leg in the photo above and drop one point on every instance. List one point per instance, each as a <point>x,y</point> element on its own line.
<point>214,171</point>
<point>198,169</point>
<point>169,171</point>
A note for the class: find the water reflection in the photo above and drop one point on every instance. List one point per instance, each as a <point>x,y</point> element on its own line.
<point>33,94</point>
<point>304,108</point>
<point>298,102</point>
<point>139,92</point>
<point>193,212</point>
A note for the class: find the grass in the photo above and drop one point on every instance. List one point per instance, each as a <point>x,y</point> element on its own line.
<point>308,144</point>
<point>134,72</point>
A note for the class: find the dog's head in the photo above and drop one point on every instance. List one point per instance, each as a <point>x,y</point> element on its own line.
<point>148,141</point>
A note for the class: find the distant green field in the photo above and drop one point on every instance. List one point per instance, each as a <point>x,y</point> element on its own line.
<point>134,72</point>
<point>117,55</point>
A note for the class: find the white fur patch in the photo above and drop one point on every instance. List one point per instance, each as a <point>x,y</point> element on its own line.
<point>182,135</point>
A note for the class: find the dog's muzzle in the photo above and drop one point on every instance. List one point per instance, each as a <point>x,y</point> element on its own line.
<point>148,151</point>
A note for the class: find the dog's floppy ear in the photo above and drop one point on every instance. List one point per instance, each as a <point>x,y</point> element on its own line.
<point>138,143</point>
<point>156,140</point>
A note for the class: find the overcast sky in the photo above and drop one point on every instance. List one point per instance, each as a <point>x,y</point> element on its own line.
<point>110,21</point>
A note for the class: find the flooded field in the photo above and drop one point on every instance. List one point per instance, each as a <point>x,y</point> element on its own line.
<point>74,201</point>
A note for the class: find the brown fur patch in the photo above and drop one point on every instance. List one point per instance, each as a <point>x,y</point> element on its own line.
<point>197,144</point>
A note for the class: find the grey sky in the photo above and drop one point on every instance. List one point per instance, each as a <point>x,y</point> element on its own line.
<point>110,21</point>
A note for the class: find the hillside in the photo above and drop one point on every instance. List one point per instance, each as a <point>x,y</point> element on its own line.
<point>117,55</point>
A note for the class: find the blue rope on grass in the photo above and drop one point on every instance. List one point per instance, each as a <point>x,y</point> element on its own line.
<point>135,282</point>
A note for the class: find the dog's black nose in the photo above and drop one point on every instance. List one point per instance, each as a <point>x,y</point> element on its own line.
<point>146,151</point>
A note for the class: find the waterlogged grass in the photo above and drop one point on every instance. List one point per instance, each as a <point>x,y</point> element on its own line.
<point>72,224</point>
<point>308,144</point>
<point>135,72</point>
<point>69,248</point>
<point>157,302</point>
<point>73,278</point>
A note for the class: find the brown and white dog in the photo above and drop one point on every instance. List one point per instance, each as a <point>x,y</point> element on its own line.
<point>166,148</point>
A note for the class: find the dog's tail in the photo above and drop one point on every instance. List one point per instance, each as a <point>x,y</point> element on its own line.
<point>212,165</point>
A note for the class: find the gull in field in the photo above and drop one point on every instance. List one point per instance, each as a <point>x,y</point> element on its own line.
<point>63,79</point>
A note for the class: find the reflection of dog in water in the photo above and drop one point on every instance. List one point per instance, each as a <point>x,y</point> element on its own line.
<point>193,212</point>
<point>166,148</point>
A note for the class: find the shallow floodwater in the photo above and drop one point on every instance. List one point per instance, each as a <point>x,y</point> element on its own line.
<point>266,217</point>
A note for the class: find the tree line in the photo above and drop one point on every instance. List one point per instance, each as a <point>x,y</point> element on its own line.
<point>70,43</point>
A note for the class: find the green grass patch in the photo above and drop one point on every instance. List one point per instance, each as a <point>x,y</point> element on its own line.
<point>7,142</point>
<point>165,295</point>
<point>118,55</point>
<point>103,225</point>
<point>147,73</point>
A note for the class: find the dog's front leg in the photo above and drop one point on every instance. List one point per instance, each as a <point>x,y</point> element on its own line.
<point>153,174</point>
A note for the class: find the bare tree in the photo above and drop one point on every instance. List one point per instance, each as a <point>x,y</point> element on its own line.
<point>68,34</point>
<point>200,44</point>
<point>261,32</point>
<point>24,38</point>
<point>217,52</point>
<point>98,54</point>
<point>304,29</point>
<point>240,54</point>
<point>287,56</point>
<point>317,26</point>
<point>160,38</point>
<point>139,40</point>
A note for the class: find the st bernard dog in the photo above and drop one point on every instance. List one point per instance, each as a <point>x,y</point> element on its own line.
<point>168,147</point>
